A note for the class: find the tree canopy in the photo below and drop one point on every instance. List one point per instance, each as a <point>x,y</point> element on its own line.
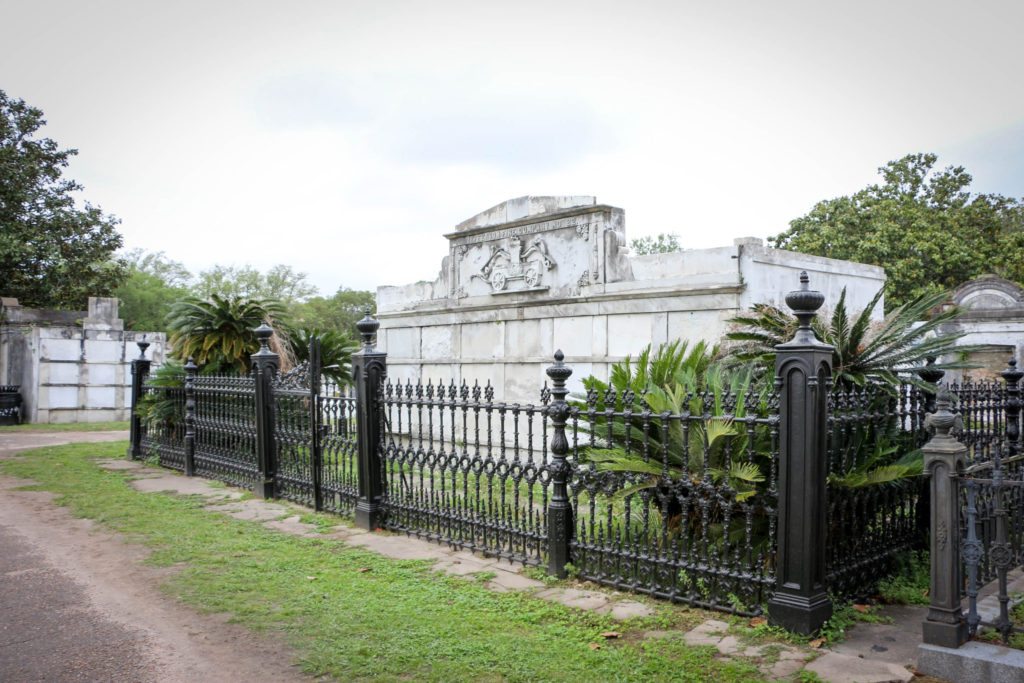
<point>153,284</point>
<point>922,225</point>
<point>338,313</point>
<point>281,283</point>
<point>53,253</point>
<point>663,243</point>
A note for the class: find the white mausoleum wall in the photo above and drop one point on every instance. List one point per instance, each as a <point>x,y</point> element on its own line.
<point>536,274</point>
<point>72,366</point>
<point>992,318</point>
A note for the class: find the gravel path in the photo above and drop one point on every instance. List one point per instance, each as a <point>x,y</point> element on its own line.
<point>79,605</point>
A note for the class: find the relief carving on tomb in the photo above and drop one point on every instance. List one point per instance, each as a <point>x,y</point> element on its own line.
<point>510,262</point>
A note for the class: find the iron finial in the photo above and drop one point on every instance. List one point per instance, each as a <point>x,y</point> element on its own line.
<point>804,303</point>
<point>368,329</point>
<point>1012,374</point>
<point>143,345</point>
<point>263,334</point>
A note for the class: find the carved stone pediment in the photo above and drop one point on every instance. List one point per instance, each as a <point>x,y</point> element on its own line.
<point>557,245</point>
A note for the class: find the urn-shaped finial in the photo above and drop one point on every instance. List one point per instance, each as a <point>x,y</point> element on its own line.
<point>263,334</point>
<point>143,345</point>
<point>804,303</point>
<point>368,329</point>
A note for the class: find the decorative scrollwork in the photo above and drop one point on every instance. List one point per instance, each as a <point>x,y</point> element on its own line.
<point>296,379</point>
<point>1001,555</point>
<point>972,552</point>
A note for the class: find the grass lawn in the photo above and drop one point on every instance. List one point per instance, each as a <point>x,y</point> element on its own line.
<point>68,427</point>
<point>362,616</point>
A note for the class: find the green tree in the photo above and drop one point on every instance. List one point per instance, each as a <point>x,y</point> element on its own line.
<point>53,254</point>
<point>280,283</point>
<point>338,313</point>
<point>923,226</point>
<point>153,285</point>
<point>664,243</point>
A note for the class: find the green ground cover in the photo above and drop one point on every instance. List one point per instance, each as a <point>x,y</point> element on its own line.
<point>355,615</point>
<point>69,427</point>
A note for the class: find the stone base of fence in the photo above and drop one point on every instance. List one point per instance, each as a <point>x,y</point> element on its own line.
<point>972,661</point>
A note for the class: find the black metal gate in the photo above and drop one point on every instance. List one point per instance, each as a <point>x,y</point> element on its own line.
<point>314,438</point>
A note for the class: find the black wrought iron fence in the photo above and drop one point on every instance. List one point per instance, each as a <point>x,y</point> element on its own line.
<point>875,486</point>
<point>162,423</point>
<point>296,436</point>
<point>977,521</point>
<point>340,451</point>
<point>225,429</point>
<point>680,504</point>
<point>464,470</point>
<point>730,498</point>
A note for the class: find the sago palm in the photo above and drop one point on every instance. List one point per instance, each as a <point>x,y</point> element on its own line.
<point>218,332</point>
<point>864,351</point>
<point>336,351</point>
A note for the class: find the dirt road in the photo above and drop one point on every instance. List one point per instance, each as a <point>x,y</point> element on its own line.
<point>77,604</point>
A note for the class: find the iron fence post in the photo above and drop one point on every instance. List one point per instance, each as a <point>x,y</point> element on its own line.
<point>560,514</point>
<point>190,417</point>
<point>1012,376</point>
<point>140,370</point>
<point>264,367</point>
<point>929,373</point>
<point>315,444</point>
<point>944,457</point>
<point>803,371</point>
<point>369,368</point>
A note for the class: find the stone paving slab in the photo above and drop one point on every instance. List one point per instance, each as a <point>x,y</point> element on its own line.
<point>186,486</point>
<point>838,668</point>
<point>895,643</point>
<point>505,580</point>
<point>621,610</point>
<point>250,510</point>
<point>572,597</point>
<point>120,464</point>
<point>293,526</point>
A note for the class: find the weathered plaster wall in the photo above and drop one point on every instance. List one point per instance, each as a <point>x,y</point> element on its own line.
<point>73,366</point>
<point>569,282</point>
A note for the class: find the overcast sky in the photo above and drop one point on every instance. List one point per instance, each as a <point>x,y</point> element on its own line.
<point>344,138</point>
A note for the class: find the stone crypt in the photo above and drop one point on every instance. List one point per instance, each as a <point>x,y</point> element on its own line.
<point>534,274</point>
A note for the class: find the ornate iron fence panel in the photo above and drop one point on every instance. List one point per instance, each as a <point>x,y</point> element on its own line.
<point>874,485</point>
<point>463,470</point>
<point>981,406</point>
<point>163,428</point>
<point>340,478</point>
<point>226,429</point>
<point>295,439</point>
<point>678,504</point>
<point>992,532</point>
